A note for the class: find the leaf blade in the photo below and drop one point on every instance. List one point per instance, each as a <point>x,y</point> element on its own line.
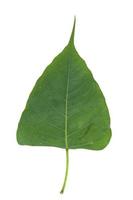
<point>47,105</point>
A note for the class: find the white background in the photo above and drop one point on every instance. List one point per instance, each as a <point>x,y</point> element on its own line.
<point>32,33</point>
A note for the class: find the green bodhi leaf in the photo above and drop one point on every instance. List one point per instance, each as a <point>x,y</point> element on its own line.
<point>66,108</point>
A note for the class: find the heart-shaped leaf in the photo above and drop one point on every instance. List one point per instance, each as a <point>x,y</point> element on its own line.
<point>66,107</point>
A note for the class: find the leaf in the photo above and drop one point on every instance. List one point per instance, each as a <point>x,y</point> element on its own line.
<point>66,107</point>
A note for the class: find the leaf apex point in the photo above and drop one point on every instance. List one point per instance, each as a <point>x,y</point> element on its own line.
<point>71,41</point>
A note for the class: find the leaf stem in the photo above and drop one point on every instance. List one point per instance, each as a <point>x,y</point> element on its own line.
<point>66,173</point>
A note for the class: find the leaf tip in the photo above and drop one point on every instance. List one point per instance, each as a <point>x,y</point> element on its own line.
<point>71,41</point>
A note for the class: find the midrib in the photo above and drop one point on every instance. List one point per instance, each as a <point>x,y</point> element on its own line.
<point>66,109</point>
<point>66,129</point>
